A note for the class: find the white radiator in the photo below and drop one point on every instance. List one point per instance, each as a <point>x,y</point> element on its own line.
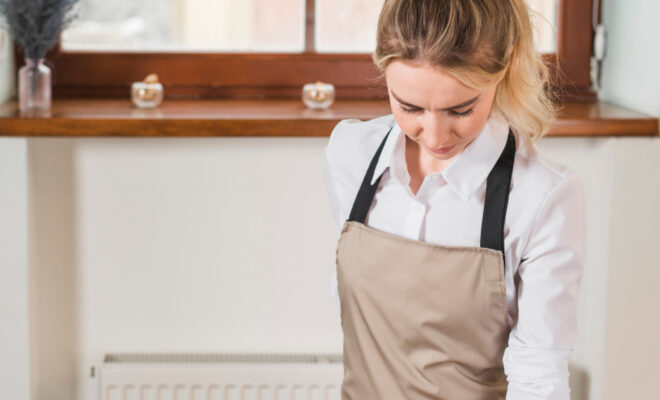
<point>221,377</point>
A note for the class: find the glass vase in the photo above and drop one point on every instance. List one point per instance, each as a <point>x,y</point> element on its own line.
<point>34,88</point>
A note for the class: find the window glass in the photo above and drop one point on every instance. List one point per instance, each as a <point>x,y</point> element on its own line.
<point>544,19</point>
<point>187,25</point>
<point>345,26</point>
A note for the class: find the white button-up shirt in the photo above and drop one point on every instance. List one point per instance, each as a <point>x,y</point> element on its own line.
<point>544,234</point>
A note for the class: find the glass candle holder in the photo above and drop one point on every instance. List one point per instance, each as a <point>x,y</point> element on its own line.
<point>147,94</point>
<point>319,95</point>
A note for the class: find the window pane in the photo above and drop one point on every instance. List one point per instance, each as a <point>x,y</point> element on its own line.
<point>346,25</point>
<point>187,25</point>
<point>350,25</point>
<point>544,18</point>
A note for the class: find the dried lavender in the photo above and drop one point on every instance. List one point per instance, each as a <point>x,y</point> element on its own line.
<point>36,24</point>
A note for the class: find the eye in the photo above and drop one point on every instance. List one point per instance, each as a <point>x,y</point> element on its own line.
<point>461,114</point>
<point>409,110</point>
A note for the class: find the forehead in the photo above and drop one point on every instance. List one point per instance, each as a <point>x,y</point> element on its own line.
<point>425,85</point>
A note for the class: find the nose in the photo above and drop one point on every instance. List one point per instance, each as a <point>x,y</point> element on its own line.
<point>436,131</point>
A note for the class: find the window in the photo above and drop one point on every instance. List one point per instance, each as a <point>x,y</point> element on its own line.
<point>266,48</point>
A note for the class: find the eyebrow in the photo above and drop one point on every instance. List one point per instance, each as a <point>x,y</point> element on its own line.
<point>463,104</point>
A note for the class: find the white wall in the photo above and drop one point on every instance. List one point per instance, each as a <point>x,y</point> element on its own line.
<point>14,306</point>
<point>631,79</point>
<point>633,319</point>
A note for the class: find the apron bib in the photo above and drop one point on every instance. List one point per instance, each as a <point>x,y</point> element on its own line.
<point>420,320</point>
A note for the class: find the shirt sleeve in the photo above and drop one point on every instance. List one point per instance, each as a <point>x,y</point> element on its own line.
<point>542,339</point>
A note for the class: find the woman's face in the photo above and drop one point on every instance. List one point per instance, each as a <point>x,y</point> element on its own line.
<point>436,111</point>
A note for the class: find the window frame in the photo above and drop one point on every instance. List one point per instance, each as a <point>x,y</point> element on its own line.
<point>277,75</point>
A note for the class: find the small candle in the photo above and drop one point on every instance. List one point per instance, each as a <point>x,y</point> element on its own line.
<point>319,95</point>
<point>148,93</point>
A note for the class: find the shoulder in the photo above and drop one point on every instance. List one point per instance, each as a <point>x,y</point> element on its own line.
<point>546,204</point>
<point>537,177</point>
<point>352,137</point>
<point>353,143</point>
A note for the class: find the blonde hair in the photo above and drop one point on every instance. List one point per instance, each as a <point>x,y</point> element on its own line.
<point>478,42</point>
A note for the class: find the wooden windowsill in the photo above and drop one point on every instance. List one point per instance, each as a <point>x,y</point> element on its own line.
<point>113,117</point>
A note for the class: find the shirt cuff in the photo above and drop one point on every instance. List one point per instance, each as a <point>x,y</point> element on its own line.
<point>536,374</point>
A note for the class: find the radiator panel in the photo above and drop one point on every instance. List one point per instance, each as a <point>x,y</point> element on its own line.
<point>221,377</point>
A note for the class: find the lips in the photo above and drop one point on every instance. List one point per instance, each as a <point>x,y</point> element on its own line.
<point>442,149</point>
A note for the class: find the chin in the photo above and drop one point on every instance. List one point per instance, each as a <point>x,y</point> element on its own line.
<point>444,156</point>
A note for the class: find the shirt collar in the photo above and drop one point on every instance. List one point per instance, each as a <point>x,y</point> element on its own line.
<point>468,170</point>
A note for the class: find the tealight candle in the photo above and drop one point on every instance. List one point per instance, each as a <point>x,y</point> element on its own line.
<point>148,93</point>
<point>319,95</point>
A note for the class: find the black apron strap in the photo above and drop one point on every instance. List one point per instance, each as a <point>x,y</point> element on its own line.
<point>495,204</point>
<point>497,197</point>
<point>367,191</point>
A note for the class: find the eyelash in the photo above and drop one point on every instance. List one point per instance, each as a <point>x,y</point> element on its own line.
<point>454,113</point>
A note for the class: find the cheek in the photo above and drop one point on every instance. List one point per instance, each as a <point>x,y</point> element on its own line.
<point>471,126</point>
<point>407,122</point>
<point>468,126</point>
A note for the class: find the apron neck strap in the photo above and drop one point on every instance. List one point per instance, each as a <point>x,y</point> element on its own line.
<point>367,191</point>
<point>498,187</point>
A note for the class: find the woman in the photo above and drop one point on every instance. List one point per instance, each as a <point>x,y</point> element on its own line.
<point>461,247</point>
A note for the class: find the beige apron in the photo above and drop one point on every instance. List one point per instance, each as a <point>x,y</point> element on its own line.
<point>420,320</point>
